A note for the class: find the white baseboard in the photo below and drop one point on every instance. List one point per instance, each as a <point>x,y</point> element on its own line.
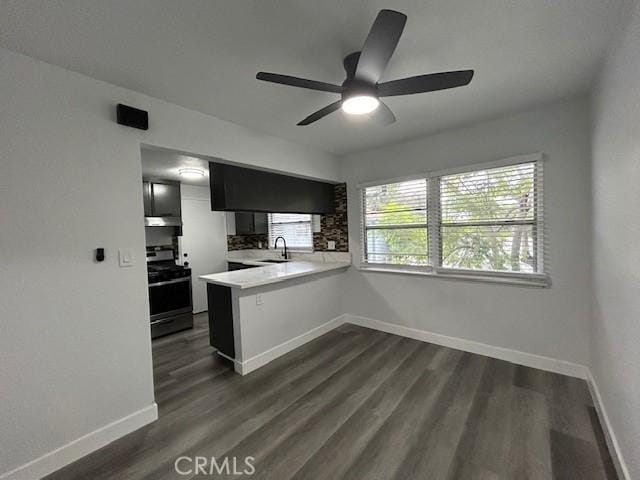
<point>609,435</point>
<point>521,358</point>
<point>78,448</point>
<point>261,359</point>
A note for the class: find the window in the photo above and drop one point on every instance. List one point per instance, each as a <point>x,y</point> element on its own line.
<point>487,220</point>
<point>296,229</point>
<point>396,223</point>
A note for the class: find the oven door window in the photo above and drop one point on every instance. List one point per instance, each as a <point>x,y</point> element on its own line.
<point>164,298</point>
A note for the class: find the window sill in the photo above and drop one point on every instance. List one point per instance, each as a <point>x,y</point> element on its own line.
<point>465,277</point>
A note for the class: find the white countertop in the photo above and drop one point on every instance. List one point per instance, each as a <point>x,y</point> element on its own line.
<point>270,273</point>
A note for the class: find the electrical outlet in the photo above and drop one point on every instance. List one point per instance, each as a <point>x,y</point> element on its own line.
<point>331,245</point>
<point>259,299</point>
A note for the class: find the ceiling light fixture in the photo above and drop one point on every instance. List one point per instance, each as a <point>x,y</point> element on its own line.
<point>191,172</point>
<point>359,105</point>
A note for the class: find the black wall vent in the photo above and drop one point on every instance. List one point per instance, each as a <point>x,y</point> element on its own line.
<point>133,117</point>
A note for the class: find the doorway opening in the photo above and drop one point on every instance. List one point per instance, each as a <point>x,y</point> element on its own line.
<point>184,240</point>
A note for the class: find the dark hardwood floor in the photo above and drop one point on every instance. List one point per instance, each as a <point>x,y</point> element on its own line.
<point>358,404</point>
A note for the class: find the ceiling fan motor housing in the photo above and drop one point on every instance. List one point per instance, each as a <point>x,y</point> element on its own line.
<point>355,88</point>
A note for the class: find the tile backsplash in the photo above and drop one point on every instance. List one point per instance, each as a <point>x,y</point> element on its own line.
<point>334,226</point>
<point>246,242</point>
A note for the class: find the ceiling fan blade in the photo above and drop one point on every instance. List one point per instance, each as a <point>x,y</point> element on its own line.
<point>425,83</point>
<point>380,45</point>
<point>323,112</point>
<point>382,115</point>
<point>298,82</point>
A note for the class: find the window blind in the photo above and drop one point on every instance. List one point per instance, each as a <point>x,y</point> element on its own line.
<point>491,219</point>
<point>395,223</point>
<point>488,219</point>
<point>296,229</point>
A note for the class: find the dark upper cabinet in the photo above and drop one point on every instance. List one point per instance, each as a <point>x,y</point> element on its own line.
<point>148,200</point>
<point>251,223</point>
<point>260,223</point>
<point>166,199</point>
<point>161,199</point>
<point>239,189</point>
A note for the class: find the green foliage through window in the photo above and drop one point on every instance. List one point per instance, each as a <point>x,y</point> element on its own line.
<point>396,223</point>
<point>488,220</point>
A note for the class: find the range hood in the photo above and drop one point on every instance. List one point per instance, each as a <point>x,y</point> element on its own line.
<point>162,204</point>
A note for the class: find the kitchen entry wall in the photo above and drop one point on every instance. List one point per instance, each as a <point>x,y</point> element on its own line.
<point>333,226</point>
<point>203,240</point>
<point>75,344</point>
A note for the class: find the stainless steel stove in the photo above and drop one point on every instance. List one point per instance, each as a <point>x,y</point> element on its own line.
<point>170,301</point>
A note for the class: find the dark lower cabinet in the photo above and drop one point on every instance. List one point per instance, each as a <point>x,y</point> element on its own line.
<point>231,266</point>
<point>221,319</point>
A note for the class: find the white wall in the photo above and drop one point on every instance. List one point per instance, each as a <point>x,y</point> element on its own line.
<point>74,334</point>
<point>291,310</point>
<point>551,322</point>
<point>615,357</point>
<point>204,240</point>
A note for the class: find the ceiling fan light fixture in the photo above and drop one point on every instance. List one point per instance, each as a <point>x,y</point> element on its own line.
<point>362,87</point>
<point>360,104</point>
<point>191,173</point>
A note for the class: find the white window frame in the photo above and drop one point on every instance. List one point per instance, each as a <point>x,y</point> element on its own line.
<point>364,228</point>
<point>293,248</point>
<point>539,278</point>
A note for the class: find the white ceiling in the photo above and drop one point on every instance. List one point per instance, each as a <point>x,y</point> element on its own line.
<point>164,164</point>
<point>204,54</point>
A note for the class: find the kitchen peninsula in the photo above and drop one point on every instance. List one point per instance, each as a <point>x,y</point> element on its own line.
<point>258,314</point>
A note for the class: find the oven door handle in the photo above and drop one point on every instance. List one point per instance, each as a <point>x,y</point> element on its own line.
<point>164,320</point>
<point>169,282</point>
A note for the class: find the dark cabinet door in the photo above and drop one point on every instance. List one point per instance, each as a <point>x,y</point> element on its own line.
<point>239,189</point>
<point>166,199</point>
<point>221,319</point>
<point>147,199</point>
<point>232,266</point>
<point>251,223</point>
<point>244,223</point>
<point>260,223</point>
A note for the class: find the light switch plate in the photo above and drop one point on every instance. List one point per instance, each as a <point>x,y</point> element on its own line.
<point>331,245</point>
<point>259,299</point>
<point>125,257</point>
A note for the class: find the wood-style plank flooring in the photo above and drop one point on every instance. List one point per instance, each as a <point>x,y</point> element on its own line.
<point>359,404</point>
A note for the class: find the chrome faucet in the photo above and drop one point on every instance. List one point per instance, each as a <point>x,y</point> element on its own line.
<point>284,251</point>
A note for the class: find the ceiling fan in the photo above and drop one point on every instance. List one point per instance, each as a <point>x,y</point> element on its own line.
<point>361,92</point>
